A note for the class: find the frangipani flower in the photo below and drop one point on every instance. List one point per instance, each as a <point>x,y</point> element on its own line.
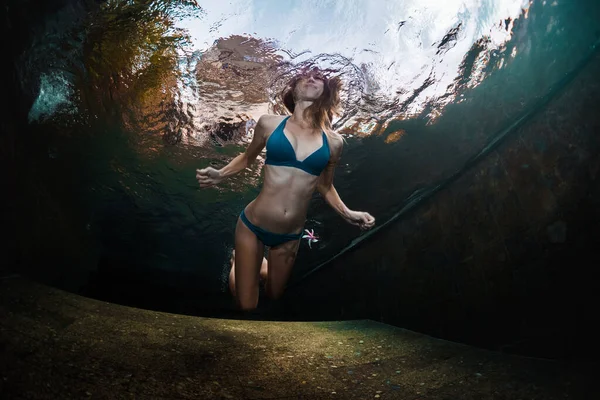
<point>310,235</point>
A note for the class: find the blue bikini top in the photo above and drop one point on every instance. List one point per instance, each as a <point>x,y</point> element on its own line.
<point>281,152</point>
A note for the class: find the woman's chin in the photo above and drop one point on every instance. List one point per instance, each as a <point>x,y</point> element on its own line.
<point>310,98</point>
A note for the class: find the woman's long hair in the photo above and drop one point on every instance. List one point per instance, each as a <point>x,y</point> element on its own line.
<point>322,111</point>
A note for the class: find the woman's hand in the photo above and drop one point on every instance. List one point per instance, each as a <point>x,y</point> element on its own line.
<point>208,177</point>
<point>363,219</point>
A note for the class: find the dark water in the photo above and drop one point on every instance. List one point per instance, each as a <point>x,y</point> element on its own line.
<point>127,99</point>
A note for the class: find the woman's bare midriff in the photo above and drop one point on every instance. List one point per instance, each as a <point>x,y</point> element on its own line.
<point>282,204</point>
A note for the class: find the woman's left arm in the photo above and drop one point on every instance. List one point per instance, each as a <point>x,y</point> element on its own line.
<point>325,186</point>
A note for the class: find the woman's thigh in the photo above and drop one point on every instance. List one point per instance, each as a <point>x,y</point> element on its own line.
<point>281,260</point>
<point>248,259</point>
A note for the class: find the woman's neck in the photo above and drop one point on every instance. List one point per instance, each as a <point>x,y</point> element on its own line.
<point>298,115</point>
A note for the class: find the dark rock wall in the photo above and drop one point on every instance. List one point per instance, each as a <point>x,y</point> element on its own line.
<point>503,257</point>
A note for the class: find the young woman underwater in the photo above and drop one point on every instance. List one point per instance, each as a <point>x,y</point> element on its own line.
<point>302,153</point>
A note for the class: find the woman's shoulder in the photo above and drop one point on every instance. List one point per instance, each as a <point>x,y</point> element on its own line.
<point>267,123</point>
<point>270,119</point>
<point>335,141</point>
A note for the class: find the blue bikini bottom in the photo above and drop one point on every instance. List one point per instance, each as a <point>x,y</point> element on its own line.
<point>269,238</point>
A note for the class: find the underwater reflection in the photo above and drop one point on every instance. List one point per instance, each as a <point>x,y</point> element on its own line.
<point>396,58</point>
<point>144,93</point>
<point>195,74</point>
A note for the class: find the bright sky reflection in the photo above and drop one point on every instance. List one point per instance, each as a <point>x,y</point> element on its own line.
<point>399,54</point>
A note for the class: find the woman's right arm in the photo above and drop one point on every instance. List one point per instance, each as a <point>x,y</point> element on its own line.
<point>245,159</point>
<point>209,176</point>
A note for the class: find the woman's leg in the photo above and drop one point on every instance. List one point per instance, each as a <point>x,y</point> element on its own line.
<point>263,272</point>
<point>244,275</point>
<point>281,262</point>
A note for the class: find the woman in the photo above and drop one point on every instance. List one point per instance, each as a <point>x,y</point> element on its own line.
<point>302,153</point>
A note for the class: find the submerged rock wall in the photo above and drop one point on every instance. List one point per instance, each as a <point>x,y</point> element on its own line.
<point>502,258</point>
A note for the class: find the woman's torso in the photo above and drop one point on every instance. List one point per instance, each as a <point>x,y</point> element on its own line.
<point>294,161</point>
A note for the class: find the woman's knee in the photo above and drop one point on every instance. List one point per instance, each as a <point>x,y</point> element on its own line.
<point>247,305</point>
<point>273,293</point>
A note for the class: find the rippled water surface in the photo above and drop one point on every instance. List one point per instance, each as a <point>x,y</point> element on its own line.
<point>131,97</point>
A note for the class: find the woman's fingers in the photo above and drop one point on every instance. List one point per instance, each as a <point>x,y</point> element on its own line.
<point>367,221</point>
<point>204,179</point>
<point>202,172</point>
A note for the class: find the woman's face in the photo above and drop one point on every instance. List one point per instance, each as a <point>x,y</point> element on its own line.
<point>310,86</point>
